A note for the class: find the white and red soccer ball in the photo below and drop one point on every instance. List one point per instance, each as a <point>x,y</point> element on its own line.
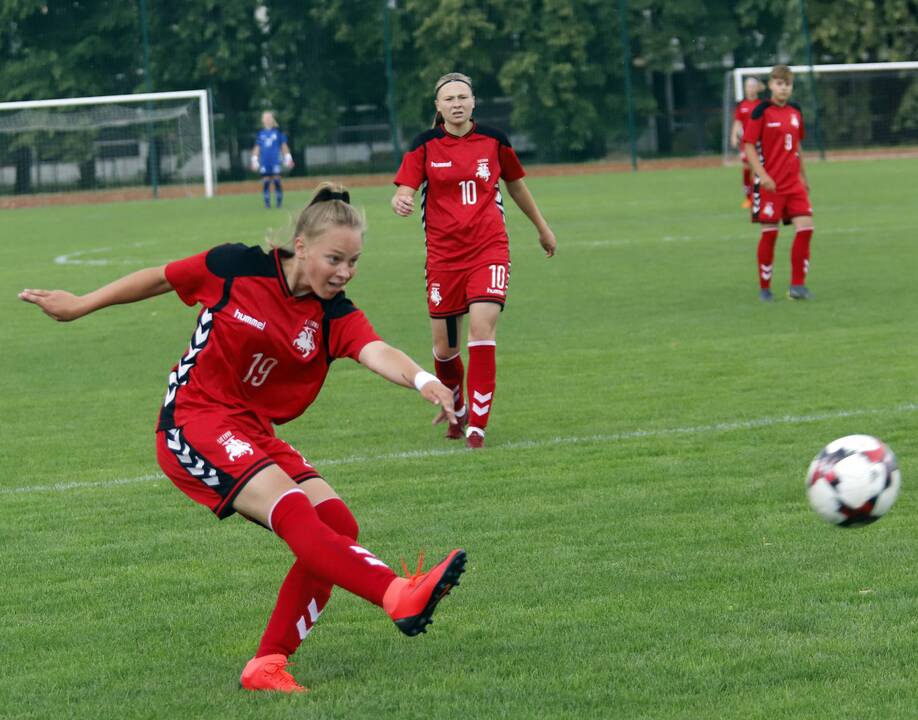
<point>853,481</point>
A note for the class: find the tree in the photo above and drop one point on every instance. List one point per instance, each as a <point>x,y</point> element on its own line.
<point>213,44</point>
<point>59,50</point>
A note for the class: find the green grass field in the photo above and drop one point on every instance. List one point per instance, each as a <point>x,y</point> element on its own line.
<point>639,541</point>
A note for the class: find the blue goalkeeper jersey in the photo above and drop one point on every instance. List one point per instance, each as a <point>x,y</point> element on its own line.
<point>269,147</point>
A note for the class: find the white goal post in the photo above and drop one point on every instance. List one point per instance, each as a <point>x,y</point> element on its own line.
<point>859,105</point>
<point>180,124</point>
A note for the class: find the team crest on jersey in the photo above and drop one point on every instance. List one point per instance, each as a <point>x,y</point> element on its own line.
<point>435,296</point>
<point>235,448</point>
<point>794,120</point>
<point>305,342</point>
<point>768,210</point>
<point>484,172</point>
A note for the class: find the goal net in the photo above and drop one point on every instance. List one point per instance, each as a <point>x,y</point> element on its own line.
<point>856,107</point>
<point>151,140</point>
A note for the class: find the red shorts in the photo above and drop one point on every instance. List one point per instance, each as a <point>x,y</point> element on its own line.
<point>212,460</point>
<point>770,208</point>
<point>450,292</point>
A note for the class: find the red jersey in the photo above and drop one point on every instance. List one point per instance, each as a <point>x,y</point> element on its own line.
<point>743,111</point>
<point>776,132</point>
<point>461,206</point>
<point>257,349</point>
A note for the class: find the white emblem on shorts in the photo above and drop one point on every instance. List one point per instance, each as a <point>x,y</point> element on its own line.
<point>483,171</point>
<point>305,342</point>
<point>435,296</point>
<point>235,448</point>
<point>769,209</point>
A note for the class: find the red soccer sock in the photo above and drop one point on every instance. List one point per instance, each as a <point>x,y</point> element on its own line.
<point>302,596</point>
<point>800,256</point>
<point>767,256</point>
<point>451,373</point>
<point>482,379</point>
<point>330,557</point>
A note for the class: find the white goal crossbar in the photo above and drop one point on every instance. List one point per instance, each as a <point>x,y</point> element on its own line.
<point>739,74</point>
<point>200,95</point>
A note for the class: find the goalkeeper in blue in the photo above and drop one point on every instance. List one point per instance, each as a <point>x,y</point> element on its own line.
<point>269,155</point>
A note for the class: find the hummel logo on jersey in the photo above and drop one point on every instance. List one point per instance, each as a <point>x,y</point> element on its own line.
<point>249,320</point>
<point>774,124</point>
<point>305,342</point>
<point>235,448</point>
<point>448,163</point>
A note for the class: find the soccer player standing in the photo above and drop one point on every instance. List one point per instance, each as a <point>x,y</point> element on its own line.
<point>457,166</point>
<point>751,89</point>
<point>780,190</point>
<point>268,156</point>
<point>269,327</point>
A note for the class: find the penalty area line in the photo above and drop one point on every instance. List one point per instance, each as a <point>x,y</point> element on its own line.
<point>752,424</point>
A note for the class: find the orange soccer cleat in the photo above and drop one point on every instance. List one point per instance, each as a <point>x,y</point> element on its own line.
<point>746,204</point>
<point>267,673</point>
<point>410,601</point>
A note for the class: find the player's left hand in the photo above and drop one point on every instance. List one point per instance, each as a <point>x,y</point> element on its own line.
<point>288,162</point>
<point>436,393</point>
<point>548,242</point>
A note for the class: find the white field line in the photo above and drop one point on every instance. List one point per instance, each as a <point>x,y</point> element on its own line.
<point>519,445</point>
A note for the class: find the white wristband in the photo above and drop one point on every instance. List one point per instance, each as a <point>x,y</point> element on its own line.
<point>422,378</point>
<point>288,158</point>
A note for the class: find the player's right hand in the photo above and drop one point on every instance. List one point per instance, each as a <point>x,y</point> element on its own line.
<point>402,205</point>
<point>768,183</point>
<point>58,304</point>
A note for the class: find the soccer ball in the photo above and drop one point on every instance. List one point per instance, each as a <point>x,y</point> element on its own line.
<point>854,481</point>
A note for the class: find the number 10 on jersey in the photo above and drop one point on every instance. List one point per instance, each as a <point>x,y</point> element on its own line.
<point>469,191</point>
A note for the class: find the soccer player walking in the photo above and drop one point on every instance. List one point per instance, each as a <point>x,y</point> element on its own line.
<point>751,89</point>
<point>268,156</point>
<point>780,190</point>
<point>457,166</point>
<point>270,325</point>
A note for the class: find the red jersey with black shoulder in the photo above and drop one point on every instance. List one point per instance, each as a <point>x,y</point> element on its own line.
<point>776,132</point>
<point>257,349</point>
<point>743,110</point>
<point>462,209</point>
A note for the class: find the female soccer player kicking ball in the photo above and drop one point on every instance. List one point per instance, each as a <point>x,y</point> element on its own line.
<point>459,163</point>
<point>780,192</point>
<point>270,325</point>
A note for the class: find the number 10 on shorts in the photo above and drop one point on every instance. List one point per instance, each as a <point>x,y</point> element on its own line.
<point>498,276</point>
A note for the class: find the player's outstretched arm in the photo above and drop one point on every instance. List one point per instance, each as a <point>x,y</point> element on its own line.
<point>403,200</point>
<point>65,306</point>
<point>524,200</point>
<point>394,365</point>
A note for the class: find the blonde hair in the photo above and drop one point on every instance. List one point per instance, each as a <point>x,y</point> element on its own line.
<point>330,207</point>
<point>448,78</point>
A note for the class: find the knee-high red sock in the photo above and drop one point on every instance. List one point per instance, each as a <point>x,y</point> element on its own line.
<point>330,557</point>
<point>747,181</point>
<point>451,372</point>
<point>767,256</point>
<point>482,379</point>
<point>800,256</point>
<point>302,596</point>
